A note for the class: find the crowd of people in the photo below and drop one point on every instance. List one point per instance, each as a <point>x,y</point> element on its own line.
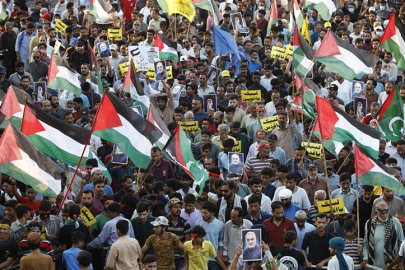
<point>258,208</point>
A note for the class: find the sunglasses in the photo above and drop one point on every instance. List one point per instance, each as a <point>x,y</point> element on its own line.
<point>382,210</point>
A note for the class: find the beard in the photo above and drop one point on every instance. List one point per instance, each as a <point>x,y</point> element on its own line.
<point>88,205</point>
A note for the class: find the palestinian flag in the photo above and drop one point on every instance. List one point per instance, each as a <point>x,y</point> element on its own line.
<point>303,55</point>
<point>118,123</point>
<point>178,151</point>
<point>333,147</point>
<point>55,137</point>
<point>210,6</point>
<point>391,117</point>
<point>133,86</point>
<point>335,124</point>
<point>343,58</point>
<point>167,49</point>
<point>97,69</point>
<point>370,171</point>
<point>154,118</point>
<point>393,40</point>
<point>60,76</point>
<point>324,7</point>
<point>306,95</point>
<point>20,159</point>
<point>12,107</point>
<point>99,9</point>
<point>163,5</point>
<point>299,18</point>
<point>273,17</point>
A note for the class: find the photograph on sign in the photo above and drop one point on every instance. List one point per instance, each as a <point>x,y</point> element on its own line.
<point>186,72</point>
<point>213,74</point>
<point>104,49</point>
<point>360,106</point>
<point>160,70</point>
<point>210,102</point>
<point>251,245</point>
<point>235,162</point>
<point>119,157</point>
<point>39,91</point>
<point>357,89</point>
<point>238,23</point>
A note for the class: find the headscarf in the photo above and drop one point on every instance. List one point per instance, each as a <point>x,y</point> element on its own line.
<point>339,244</point>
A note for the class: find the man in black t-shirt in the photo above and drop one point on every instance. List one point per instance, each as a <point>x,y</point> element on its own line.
<point>291,257</point>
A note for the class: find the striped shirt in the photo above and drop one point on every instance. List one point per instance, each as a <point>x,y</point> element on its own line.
<point>255,164</point>
<point>351,250</point>
<point>181,229</point>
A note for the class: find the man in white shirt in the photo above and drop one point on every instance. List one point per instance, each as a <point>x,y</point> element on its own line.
<point>339,259</point>
<point>227,3</point>
<point>345,89</point>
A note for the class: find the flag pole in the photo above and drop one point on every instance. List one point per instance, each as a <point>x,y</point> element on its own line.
<point>344,161</point>
<point>358,216</point>
<point>327,184</point>
<point>81,157</point>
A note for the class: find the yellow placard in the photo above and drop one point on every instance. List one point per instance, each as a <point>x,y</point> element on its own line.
<point>338,207</point>
<point>169,73</point>
<point>237,147</point>
<point>182,7</point>
<point>314,149</point>
<point>87,216</point>
<point>277,51</point>
<point>124,67</point>
<point>60,26</point>
<point>251,95</point>
<point>151,73</point>
<point>190,126</point>
<point>115,34</point>
<point>57,47</point>
<point>289,51</point>
<point>269,123</point>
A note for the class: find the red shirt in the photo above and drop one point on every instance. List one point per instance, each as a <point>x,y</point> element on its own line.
<point>275,235</point>
<point>127,7</point>
<point>33,206</point>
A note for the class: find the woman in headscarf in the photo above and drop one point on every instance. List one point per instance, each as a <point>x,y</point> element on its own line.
<point>339,260</point>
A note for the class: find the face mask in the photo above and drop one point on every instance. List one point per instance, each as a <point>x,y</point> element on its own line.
<point>379,34</point>
<point>351,10</point>
<point>382,7</point>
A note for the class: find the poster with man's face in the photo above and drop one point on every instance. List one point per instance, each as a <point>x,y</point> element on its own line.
<point>360,106</point>
<point>235,161</point>
<point>238,23</point>
<point>210,102</point>
<point>104,49</point>
<point>357,89</point>
<point>119,157</point>
<point>160,71</point>
<point>212,75</point>
<point>251,245</point>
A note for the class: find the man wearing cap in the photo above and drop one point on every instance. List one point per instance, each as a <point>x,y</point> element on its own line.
<point>95,173</point>
<point>275,151</point>
<point>164,244</point>
<point>36,260</point>
<point>255,164</point>
<point>332,177</point>
<point>290,208</point>
<point>339,261</point>
<point>7,43</point>
<point>4,82</point>
<point>312,183</point>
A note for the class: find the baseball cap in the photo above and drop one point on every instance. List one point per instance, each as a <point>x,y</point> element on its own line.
<point>333,87</point>
<point>73,41</point>
<point>285,194</point>
<point>225,73</point>
<point>47,16</point>
<point>160,221</point>
<point>183,58</point>
<point>312,166</point>
<point>327,24</point>
<point>113,47</point>
<point>272,138</point>
<point>105,83</point>
<point>173,201</point>
<point>84,111</point>
<point>329,164</point>
<point>181,77</point>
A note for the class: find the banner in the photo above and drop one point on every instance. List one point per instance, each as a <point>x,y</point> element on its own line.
<point>237,147</point>
<point>314,149</point>
<point>190,126</point>
<point>289,51</point>
<point>151,73</point>
<point>169,73</point>
<point>269,123</point>
<point>88,218</point>
<point>251,95</point>
<point>338,206</point>
<point>60,26</point>
<point>144,56</point>
<point>277,51</point>
<point>115,34</point>
<point>182,7</point>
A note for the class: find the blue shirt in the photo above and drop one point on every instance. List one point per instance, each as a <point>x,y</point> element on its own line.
<point>69,259</point>
<point>301,233</point>
<point>215,232</point>
<point>269,191</point>
<point>262,217</point>
<point>290,212</point>
<point>107,189</point>
<point>109,232</point>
